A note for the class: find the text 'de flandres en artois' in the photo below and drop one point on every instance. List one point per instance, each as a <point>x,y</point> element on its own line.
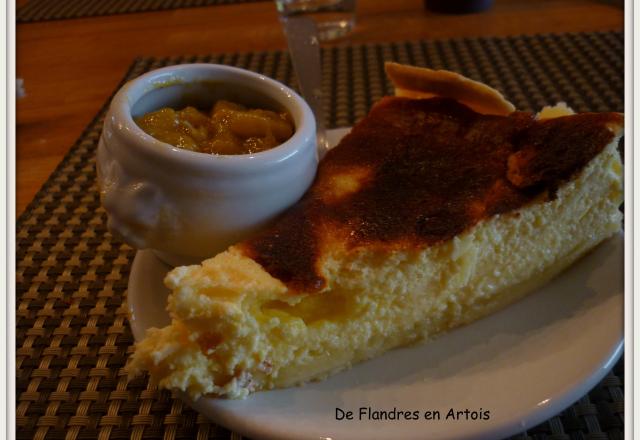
<point>453,414</point>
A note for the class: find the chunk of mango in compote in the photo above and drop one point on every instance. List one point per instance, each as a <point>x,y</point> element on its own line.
<point>230,128</point>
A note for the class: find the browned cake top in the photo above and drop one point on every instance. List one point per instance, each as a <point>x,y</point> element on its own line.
<point>416,172</point>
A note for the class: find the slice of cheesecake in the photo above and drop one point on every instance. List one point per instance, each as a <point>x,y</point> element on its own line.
<point>427,216</point>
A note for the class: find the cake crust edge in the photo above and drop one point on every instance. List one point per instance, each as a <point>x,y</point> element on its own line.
<point>421,82</point>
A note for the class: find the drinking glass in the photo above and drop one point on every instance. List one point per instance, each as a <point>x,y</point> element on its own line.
<point>333,18</point>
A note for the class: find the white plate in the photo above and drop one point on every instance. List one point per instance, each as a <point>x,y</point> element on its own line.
<point>523,364</point>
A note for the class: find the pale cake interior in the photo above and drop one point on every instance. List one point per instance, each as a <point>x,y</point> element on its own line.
<point>236,329</point>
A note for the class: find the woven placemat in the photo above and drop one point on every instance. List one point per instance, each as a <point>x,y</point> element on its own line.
<point>73,338</point>
<point>44,10</point>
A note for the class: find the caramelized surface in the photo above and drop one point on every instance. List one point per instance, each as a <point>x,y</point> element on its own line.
<point>417,172</point>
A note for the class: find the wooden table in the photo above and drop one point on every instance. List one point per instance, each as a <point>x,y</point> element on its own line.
<point>70,67</point>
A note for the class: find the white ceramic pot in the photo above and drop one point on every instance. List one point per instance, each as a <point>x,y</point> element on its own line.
<point>188,206</point>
